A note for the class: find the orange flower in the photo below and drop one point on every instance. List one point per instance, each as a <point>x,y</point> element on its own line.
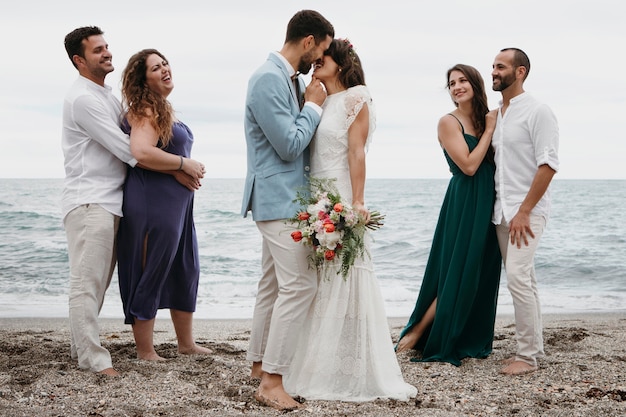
<point>329,227</point>
<point>303,215</point>
<point>338,207</point>
<point>329,255</point>
<point>296,236</point>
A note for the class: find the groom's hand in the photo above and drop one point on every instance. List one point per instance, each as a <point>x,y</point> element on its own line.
<point>315,92</point>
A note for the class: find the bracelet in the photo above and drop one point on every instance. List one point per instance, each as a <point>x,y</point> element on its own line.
<point>181,163</point>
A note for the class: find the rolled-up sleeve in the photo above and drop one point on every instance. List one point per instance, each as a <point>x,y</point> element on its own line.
<point>546,137</point>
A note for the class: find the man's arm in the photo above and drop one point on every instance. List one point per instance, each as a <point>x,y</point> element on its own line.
<point>519,225</point>
<point>97,122</point>
<point>191,183</point>
<point>271,103</point>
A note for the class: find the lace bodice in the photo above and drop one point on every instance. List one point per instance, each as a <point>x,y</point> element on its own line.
<point>329,148</point>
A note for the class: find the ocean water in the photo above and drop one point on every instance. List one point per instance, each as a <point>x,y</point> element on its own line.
<point>581,262</point>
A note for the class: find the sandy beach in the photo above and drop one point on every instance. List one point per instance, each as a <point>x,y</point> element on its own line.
<point>583,374</point>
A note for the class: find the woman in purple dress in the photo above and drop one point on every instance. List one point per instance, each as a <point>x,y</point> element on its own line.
<point>157,248</point>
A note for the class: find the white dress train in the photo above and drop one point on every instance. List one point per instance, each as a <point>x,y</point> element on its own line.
<point>345,351</point>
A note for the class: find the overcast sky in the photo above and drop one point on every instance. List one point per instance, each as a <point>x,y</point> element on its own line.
<point>576,51</point>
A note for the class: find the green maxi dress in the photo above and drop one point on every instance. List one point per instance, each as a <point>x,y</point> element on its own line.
<point>463,270</point>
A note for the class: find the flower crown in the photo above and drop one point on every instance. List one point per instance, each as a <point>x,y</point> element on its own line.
<point>347,42</point>
<point>350,50</point>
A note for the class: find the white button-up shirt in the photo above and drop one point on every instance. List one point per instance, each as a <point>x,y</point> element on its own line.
<point>95,148</point>
<point>526,137</point>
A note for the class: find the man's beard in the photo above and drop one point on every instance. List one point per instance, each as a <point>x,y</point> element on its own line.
<point>505,82</point>
<point>306,63</point>
<point>100,71</point>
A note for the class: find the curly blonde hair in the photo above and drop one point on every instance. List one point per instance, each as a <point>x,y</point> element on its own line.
<point>142,103</point>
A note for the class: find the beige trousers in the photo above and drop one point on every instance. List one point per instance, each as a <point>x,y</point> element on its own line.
<point>519,264</point>
<point>285,292</point>
<point>90,234</point>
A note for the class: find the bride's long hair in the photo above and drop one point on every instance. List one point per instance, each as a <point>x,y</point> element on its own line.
<point>343,53</point>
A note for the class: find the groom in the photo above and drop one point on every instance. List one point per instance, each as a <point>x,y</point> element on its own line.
<point>278,133</point>
<point>526,144</point>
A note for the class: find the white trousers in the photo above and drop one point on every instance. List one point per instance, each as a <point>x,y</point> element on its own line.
<point>285,292</point>
<point>519,264</point>
<point>90,234</point>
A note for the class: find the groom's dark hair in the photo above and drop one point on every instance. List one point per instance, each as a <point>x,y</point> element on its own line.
<point>309,22</point>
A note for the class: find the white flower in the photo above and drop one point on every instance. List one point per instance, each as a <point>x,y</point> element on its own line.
<point>329,240</point>
<point>307,233</point>
<point>314,209</point>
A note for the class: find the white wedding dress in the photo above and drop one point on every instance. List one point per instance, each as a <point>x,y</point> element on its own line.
<point>345,351</point>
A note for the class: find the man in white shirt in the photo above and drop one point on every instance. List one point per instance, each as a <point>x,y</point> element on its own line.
<point>96,153</point>
<point>526,142</point>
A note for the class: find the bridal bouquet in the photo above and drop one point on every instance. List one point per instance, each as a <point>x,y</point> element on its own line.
<point>330,226</point>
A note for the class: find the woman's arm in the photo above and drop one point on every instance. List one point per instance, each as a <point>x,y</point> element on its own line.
<point>357,138</point>
<point>452,140</point>
<point>143,146</point>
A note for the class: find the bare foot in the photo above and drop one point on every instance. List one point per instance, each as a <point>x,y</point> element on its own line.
<point>109,372</point>
<point>408,341</point>
<point>256,372</point>
<point>518,368</point>
<point>149,356</point>
<point>272,393</point>
<point>195,350</point>
<point>508,361</point>
<point>278,400</point>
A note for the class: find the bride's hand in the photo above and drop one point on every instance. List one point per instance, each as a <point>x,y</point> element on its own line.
<point>363,212</point>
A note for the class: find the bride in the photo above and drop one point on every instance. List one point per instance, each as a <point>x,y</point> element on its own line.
<point>345,351</point>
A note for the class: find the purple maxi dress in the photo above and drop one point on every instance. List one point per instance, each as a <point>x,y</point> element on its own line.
<point>158,215</point>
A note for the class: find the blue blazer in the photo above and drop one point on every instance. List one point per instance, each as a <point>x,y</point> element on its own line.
<point>278,134</point>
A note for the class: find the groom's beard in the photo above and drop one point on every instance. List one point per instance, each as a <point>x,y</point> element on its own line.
<point>306,63</point>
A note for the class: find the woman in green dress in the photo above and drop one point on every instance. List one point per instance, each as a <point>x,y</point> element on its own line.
<point>455,312</point>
